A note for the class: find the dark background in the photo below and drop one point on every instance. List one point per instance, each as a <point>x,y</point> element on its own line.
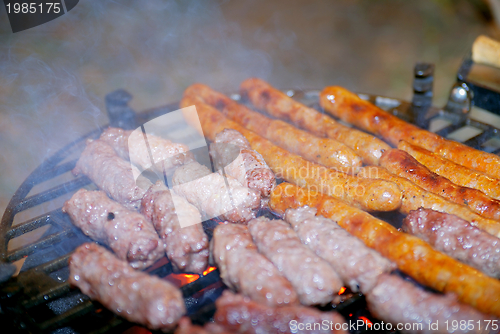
<point>53,78</point>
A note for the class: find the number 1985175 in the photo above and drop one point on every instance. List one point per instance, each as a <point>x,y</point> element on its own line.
<point>32,8</point>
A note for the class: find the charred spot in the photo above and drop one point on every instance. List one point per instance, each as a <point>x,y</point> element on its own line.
<point>265,95</point>
<point>357,107</point>
<point>220,104</point>
<point>111,216</point>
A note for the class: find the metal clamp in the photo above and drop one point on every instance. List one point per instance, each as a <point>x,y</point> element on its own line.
<point>422,93</point>
<point>119,113</point>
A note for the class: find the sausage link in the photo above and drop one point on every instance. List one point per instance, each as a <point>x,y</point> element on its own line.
<point>278,104</point>
<point>402,164</point>
<point>456,173</point>
<point>350,108</point>
<point>412,255</point>
<point>371,196</point>
<point>325,151</point>
<point>415,197</point>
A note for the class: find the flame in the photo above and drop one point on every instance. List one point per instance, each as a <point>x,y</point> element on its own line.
<point>342,290</point>
<point>190,278</point>
<point>209,270</point>
<point>185,278</point>
<point>366,320</point>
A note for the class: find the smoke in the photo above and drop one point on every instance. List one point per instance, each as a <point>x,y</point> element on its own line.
<point>53,78</point>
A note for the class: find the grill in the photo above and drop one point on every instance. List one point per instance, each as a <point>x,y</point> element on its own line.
<point>39,299</point>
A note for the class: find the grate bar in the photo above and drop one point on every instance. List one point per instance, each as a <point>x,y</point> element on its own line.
<point>48,295</point>
<point>113,324</point>
<point>54,265</point>
<point>58,170</point>
<point>44,243</point>
<point>478,140</point>
<point>28,226</point>
<point>52,193</point>
<point>62,319</point>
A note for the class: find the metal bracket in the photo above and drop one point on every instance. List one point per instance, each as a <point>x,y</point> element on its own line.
<point>422,93</point>
<point>459,101</point>
<point>119,113</point>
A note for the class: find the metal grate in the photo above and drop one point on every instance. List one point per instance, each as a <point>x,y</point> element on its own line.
<point>40,300</point>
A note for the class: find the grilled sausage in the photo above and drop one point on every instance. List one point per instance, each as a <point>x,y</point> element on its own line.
<point>412,255</point>
<point>325,151</point>
<point>238,314</point>
<point>357,265</point>
<point>400,302</point>
<point>232,150</point>
<point>403,164</point>
<point>215,195</point>
<point>350,108</point>
<point>372,196</point>
<point>186,327</point>
<point>457,238</point>
<point>456,173</point>
<point>279,105</point>
<point>312,277</point>
<point>128,233</point>
<point>186,244</point>
<point>158,153</point>
<point>415,197</point>
<point>100,163</point>
<point>245,270</point>
<point>134,295</point>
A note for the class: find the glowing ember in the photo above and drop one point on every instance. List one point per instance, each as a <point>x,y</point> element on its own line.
<point>209,270</point>
<point>185,278</point>
<point>366,320</point>
<point>342,290</point>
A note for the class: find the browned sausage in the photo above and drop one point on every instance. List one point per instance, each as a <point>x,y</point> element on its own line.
<point>350,108</point>
<point>372,196</point>
<point>278,104</point>
<point>412,255</point>
<point>402,164</point>
<point>458,174</point>
<point>415,197</point>
<point>325,151</point>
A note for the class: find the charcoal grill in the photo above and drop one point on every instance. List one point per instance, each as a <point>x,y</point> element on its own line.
<point>39,299</point>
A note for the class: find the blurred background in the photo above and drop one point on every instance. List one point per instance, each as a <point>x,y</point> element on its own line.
<point>54,77</point>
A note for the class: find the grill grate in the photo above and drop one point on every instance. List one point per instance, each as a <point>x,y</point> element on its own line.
<point>40,300</point>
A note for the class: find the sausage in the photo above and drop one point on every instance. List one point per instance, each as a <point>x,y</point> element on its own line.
<point>111,173</point>
<point>245,270</point>
<point>398,301</point>
<point>134,295</point>
<point>249,167</point>
<point>456,173</point>
<point>415,197</point>
<point>358,265</point>
<point>186,244</point>
<point>403,164</point>
<point>158,153</point>
<point>412,255</point>
<point>312,277</point>
<point>352,109</point>
<point>325,151</point>
<point>238,314</point>
<point>128,233</point>
<point>372,196</point>
<point>215,195</point>
<point>457,238</point>
<point>278,104</point>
